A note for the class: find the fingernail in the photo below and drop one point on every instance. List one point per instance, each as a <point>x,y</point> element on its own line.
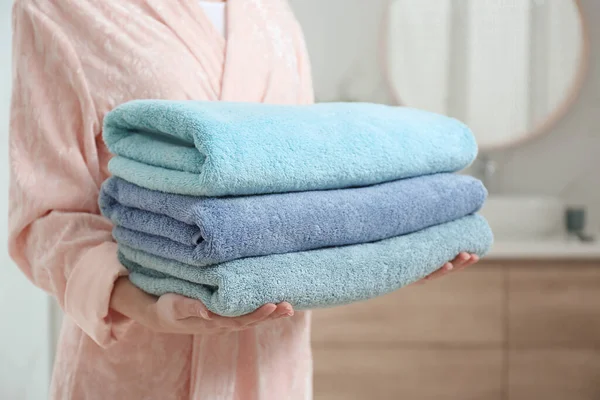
<point>203,313</point>
<point>285,315</point>
<point>449,267</point>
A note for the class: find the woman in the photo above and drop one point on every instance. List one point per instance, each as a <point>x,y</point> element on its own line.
<point>74,61</point>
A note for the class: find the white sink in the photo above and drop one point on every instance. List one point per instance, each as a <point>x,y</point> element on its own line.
<point>524,217</point>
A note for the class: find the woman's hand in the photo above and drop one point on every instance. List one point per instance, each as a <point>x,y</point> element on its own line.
<point>172,313</point>
<point>461,261</point>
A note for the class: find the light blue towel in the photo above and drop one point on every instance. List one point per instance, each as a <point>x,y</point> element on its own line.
<point>203,231</point>
<point>219,148</point>
<point>311,279</point>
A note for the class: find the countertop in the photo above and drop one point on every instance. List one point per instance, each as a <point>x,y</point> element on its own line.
<point>545,249</point>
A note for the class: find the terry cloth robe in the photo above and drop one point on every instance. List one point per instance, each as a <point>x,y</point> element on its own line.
<point>76,60</point>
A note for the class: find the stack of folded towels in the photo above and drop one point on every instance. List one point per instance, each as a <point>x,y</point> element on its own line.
<point>241,204</point>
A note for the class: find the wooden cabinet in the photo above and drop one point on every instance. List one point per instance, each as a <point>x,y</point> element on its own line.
<point>554,374</point>
<point>554,306</point>
<point>554,331</point>
<point>510,330</point>
<point>379,373</point>
<point>442,340</point>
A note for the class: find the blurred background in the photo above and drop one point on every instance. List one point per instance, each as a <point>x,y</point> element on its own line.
<point>525,324</point>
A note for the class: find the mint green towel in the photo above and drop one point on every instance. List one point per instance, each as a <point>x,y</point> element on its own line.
<point>219,148</point>
<point>311,279</point>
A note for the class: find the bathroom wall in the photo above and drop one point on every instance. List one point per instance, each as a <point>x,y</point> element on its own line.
<point>343,41</point>
<point>341,36</point>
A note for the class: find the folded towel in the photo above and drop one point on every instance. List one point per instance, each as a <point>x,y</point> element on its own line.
<point>311,279</point>
<point>220,148</point>
<point>203,231</point>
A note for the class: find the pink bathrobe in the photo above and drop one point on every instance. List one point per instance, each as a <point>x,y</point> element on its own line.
<point>74,60</point>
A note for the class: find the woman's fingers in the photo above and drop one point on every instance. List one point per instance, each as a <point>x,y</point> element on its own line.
<point>461,259</point>
<point>219,324</point>
<point>175,307</point>
<point>440,272</point>
<point>259,315</point>
<point>214,322</point>
<point>184,307</point>
<point>266,312</point>
<point>256,318</point>
<point>436,274</point>
<point>473,258</point>
<point>284,309</point>
<point>178,314</point>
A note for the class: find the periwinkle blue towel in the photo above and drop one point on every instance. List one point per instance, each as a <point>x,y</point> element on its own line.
<point>311,279</point>
<point>221,148</point>
<point>203,231</point>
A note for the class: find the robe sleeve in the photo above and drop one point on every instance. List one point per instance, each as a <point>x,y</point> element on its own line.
<point>56,235</point>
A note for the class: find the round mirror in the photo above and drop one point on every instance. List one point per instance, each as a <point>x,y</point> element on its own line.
<point>508,68</point>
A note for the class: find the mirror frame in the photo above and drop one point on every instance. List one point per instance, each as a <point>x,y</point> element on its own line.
<point>543,126</point>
